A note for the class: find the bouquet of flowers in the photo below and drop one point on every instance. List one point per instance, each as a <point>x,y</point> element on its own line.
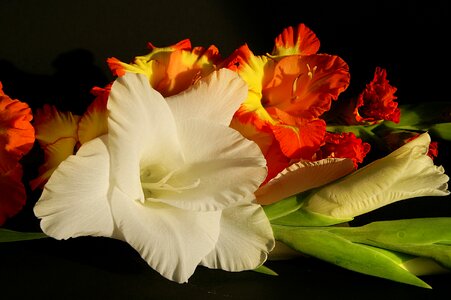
<point>194,159</point>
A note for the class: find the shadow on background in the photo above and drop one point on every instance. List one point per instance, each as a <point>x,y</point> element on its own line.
<point>68,88</point>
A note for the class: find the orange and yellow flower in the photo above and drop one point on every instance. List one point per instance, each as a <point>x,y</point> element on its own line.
<point>171,69</point>
<point>60,134</point>
<point>16,140</point>
<point>289,90</point>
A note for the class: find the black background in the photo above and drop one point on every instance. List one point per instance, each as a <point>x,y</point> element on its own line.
<point>55,51</point>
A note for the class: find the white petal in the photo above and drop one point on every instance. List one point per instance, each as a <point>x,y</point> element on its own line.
<point>245,239</point>
<point>215,98</point>
<point>171,240</point>
<point>303,176</point>
<point>74,200</point>
<point>227,167</point>
<point>405,173</point>
<point>141,128</point>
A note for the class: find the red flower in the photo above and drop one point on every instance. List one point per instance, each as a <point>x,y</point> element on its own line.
<point>376,102</point>
<point>344,145</point>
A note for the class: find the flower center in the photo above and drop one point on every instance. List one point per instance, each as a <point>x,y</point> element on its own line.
<point>153,183</point>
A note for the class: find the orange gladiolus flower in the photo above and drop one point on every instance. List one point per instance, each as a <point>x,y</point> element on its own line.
<point>16,140</point>
<point>171,69</point>
<point>289,91</point>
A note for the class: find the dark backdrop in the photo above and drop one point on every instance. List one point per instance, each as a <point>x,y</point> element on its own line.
<point>55,51</point>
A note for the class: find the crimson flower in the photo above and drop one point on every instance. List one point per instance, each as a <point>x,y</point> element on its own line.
<point>376,102</point>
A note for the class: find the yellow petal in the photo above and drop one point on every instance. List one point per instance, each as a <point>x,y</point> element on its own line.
<point>54,154</point>
<point>52,125</point>
<point>94,121</point>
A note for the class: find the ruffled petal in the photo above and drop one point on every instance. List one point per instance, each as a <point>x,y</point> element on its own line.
<point>74,201</point>
<point>245,239</point>
<point>306,85</point>
<point>376,102</point>
<point>227,168</point>
<point>303,176</point>
<point>142,133</point>
<point>344,145</point>
<point>300,40</point>
<point>12,196</point>
<point>16,132</point>
<point>298,138</point>
<point>171,240</point>
<point>215,98</point>
<point>94,122</point>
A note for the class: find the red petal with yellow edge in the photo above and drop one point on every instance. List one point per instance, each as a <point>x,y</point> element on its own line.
<point>251,111</point>
<point>255,71</point>
<point>300,40</point>
<point>16,132</point>
<point>94,121</point>
<point>13,195</point>
<point>304,86</point>
<point>171,69</point>
<point>298,138</point>
<point>144,64</point>
<point>54,154</point>
<point>52,125</point>
<point>237,58</point>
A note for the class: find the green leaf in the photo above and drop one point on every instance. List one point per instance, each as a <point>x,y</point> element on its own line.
<point>265,270</point>
<point>433,117</point>
<point>424,113</point>
<point>441,130</point>
<point>425,237</point>
<point>337,250</point>
<point>7,235</point>
<point>356,129</point>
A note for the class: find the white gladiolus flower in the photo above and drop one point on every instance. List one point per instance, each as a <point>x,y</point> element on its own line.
<point>170,178</point>
<point>405,173</point>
